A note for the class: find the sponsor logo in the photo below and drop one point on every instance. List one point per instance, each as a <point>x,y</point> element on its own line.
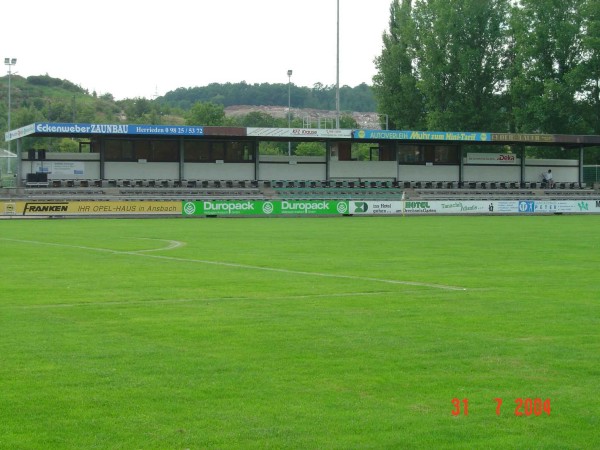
<point>101,128</point>
<point>506,157</point>
<point>268,208</point>
<point>527,206</point>
<point>452,205</point>
<point>583,206</point>
<point>304,132</point>
<point>45,207</point>
<point>229,208</point>
<point>361,207</point>
<point>304,207</point>
<point>417,205</point>
<point>342,208</point>
<point>189,208</point>
<point>10,208</point>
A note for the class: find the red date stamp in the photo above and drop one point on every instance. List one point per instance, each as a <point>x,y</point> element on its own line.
<point>523,406</point>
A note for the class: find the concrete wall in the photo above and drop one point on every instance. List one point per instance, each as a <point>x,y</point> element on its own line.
<point>63,166</point>
<point>298,171</point>
<point>218,171</point>
<point>492,173</point>
<point>143,171</point>
<point>363,169</point>
<point>428,173</point>
<point>282,167</point>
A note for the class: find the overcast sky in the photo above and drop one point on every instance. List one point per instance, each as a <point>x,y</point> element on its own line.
<point>134,48</point>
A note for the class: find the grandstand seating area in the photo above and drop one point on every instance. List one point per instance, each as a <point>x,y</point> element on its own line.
<point>130,189</point>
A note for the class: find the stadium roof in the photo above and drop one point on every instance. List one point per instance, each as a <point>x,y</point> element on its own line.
<point>6,154</point>
<point>48,129</point>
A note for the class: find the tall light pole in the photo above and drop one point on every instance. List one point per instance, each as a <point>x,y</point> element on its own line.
<point>9,62</point>
<point>337,72</point>
<point>289,72</point>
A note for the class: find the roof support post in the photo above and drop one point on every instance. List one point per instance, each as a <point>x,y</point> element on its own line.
<point>521,153</point>
<point>581,166</point>
<point>461,164</point>
<point>181,159</point>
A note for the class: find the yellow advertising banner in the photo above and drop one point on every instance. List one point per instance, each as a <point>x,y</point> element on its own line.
<point>87,208</point>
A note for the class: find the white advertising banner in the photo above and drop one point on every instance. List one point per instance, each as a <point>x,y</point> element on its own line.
<point>299,132</point>
<point>370,207</point>
<point>59,168</point>
<point>492,158</point>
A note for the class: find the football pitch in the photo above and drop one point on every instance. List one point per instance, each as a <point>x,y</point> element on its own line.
<point>329,333</point>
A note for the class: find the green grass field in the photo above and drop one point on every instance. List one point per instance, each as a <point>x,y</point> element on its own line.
<point>331,333</point>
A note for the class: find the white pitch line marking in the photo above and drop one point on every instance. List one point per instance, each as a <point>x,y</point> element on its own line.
<point>248,266</point>
<point>172,245</point>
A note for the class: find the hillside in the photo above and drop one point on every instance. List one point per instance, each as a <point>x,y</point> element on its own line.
<point>312,118</point>
<point>47,99</point>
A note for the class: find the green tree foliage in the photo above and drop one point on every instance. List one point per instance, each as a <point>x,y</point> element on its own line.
<point>364,152</point>
<point>259,119</point>
<point>548,44</point>
<point>348,122</point>
<point>46,80</point>
<point>501,65</point>
<point>589,71</point>
<point>272,148</point>
<point>320,96</point>
<point>207,114</point>
<point>67,145</point>
<point>359,98</point>
<point>395,84</point>
<point>25,116</point>
<point>460,58</point>
<point>310,149</point>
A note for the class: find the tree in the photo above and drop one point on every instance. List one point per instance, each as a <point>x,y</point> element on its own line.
<point>442,64</point>
<point>136,108</point>
<point>548,45</point>
<point>25,116</point>
<point>310,149</point>
<point>66,145</point>
<point>207,114</point>
<point>257,119</point>
<point>589,71</point>
<point>461,46</point>
<point>348,122</point>
<point>272,148</point>
<point>395,84</point>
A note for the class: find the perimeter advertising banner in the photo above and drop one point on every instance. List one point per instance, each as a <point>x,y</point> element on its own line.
<point>409,207</point>
<point>408,135</point>
<point>101,128</point>
<point>299,132</point>
<point>264,207</point>
<point>85,208</point>
<point>370,207</point>
<point>228,208</point>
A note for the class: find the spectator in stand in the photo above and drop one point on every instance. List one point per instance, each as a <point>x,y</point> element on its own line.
<point>549,179</point>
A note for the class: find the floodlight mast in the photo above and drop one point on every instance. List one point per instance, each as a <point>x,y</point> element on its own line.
<point>9,62</point>
<point>337,78</point>
<point>289,74</point>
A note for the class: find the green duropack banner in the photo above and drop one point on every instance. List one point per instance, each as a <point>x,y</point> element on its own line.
<point>264,207</point>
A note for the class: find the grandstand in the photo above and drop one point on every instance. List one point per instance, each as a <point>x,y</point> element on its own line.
<point>155,163</point>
